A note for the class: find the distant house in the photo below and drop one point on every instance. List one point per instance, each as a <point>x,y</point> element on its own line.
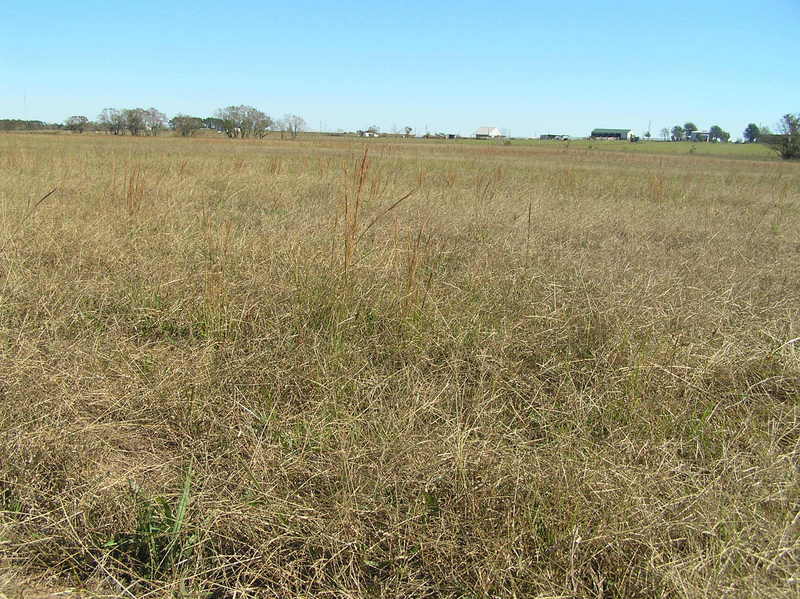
<point>554,136</point>
<point>368,133</point>
<point>612,134</point>
<point>699,136</point>
<point>488,133</point>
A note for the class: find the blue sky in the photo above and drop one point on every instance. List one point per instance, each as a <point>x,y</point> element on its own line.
<point>525,67</point>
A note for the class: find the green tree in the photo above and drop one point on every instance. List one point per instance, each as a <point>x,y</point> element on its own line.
<point>787,141</point>
<point>751,133</point>
<point>77,124</point>
<point>20,125</point>
<point>690,128</point>
<point>715,133</point>
<point>678,133</point>
<point>243,121</point>
<point>185,125</point>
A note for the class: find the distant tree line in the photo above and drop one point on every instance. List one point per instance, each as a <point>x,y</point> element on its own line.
<point>242,122</point>
<point>136,121</point>
<point>22,125</point>
<point>785,141</point>
<point>688,131</point>
<point>237,122</point>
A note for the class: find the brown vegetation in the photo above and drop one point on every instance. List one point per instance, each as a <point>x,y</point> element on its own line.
<point>244,369</point>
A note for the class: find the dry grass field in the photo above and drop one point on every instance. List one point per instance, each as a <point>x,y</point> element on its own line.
<point>284,369</point>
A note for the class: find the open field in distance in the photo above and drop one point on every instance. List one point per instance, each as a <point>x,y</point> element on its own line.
<point>243,369</point>
<point>727,150</point>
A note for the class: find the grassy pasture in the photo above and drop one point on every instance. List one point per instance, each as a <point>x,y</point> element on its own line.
<point>723,150</point>
<point>242,369</point>
<point>727,150</point>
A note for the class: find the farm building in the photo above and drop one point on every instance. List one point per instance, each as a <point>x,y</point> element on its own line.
<point>612,133</point>
<point>488,133</point>
<point>699,136</point>
<point>554,136</point>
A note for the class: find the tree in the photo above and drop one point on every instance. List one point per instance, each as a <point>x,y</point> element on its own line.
<point>408,131</point>
<point>292,124</point>
<point>374,129</point>
<point>751,133</point>
<point>154,121</point>
<point>20,125</point>
<point>715,133</point>
<point>665,133</point>
<point>213,123</point>
<point>185,125</point>
<point>134,119</point>
<point>243,121</point>
<point>111,120</point>
<point>678,133</point>
<point>104,119</point>
<point>255,122</point>
<point>690,128</point>
<point>647,135</point>
<point>230,121</point>
<point>77,123</point>
<point>787,141</point>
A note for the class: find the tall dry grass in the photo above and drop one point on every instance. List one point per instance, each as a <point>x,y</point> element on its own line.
<point>250,370</point>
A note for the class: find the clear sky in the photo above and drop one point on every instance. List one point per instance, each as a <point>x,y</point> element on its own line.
<point>527,67</point>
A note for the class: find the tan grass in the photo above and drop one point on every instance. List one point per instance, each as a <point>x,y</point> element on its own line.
<point>228,369</point>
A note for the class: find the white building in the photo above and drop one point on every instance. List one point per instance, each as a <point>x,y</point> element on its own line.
<point>488,133</point>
